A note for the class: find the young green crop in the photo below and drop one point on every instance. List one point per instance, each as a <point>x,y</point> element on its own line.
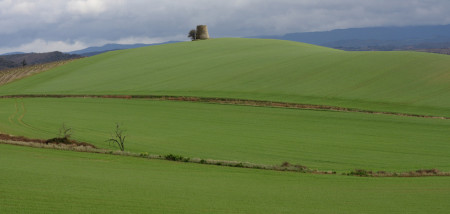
<point>317,139</point>
<point>47,181</point>
<point>409,82</point>
<point>50,181</point>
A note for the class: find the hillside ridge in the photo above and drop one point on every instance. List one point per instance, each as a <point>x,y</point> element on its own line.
<point>258,69</point>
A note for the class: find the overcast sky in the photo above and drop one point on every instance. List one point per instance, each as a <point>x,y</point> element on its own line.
<point>65,25</point>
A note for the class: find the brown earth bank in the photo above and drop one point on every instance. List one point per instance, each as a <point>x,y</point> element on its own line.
<point>415,173</point>
<point>226,101</point>
<point>57,141</point>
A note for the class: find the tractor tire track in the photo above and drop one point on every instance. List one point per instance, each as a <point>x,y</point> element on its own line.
<point>18,116</point>
<point>11,117</point>
<point>23,123</point>
<point>20,119</point>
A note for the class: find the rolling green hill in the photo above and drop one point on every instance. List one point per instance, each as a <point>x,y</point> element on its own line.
<point>48,181</point>
<point>252,69</point>
<point>273,70</point>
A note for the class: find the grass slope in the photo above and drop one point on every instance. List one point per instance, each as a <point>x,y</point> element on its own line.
<point>407,82</point>
<point>317,139</point>
<point>49,181</point>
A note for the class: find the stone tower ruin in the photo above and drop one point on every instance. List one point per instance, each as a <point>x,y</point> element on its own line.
<point>202,32</point>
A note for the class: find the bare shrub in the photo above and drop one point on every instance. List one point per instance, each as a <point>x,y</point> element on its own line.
<point>118,137</point>
<point>63,137</point>
<point>65,132</point>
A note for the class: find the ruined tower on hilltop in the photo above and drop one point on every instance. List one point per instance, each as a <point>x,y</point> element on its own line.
<point>202,32</point>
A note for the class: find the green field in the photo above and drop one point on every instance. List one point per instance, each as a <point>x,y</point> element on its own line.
<point>318,139</point>
<point>48,181</point>
<point>408,82</point>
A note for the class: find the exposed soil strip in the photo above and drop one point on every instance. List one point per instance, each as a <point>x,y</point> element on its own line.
<point>6,137</point>
<point>229,101</point>
<point>416,173</point>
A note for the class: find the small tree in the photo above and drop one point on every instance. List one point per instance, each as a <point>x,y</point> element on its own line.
<point>118,137</point>
<point>24,63</point>
<point>65,132</point>
<point>193,34</point>
<point>63,137</point>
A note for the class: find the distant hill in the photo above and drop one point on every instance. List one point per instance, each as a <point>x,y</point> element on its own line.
<point>12,53</point>
<point>376,38</point>
<point>4,64</point>
<point>92,51</point>
<point>15,60</point>
<point>261,69</point>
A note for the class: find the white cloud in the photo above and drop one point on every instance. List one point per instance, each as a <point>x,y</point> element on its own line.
<point>87,6</point>
<point>147,40</point>
<point>24,8</point>
<point>41,45</point>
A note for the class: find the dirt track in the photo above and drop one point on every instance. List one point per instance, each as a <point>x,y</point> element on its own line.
<point>229,101</point>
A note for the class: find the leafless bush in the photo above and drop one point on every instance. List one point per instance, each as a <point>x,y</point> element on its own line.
<point>65,131</point>
<point>118,137</point>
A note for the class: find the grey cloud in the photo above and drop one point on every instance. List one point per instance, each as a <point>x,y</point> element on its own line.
<point>93,21</point>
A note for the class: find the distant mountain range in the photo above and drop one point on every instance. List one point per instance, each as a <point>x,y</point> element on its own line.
<point>91,51</point>
<point>376,38</point>
<point>12,53</point>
